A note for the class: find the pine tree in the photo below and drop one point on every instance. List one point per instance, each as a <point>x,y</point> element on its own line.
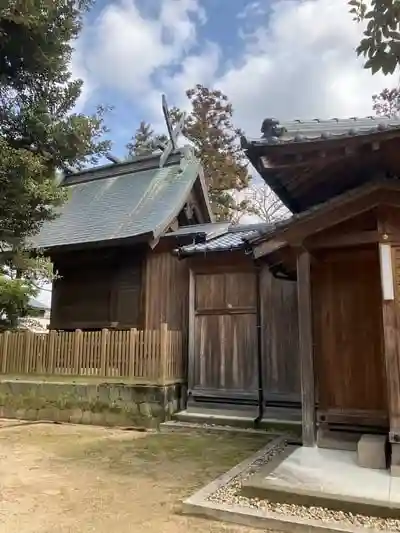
<point>39,132</point>
<point>209,128</point>
<point>145,141</point>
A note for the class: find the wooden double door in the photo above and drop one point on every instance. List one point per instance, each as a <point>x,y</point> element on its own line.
<point>223,336</point>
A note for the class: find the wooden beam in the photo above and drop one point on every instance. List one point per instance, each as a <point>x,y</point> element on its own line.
<point>267,247</point>
<point>191,331</point>
<point>338,241</point>
<point>391,350</point>
<point>306,348</point>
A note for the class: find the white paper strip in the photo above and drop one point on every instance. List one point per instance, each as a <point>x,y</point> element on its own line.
<point>385,257</point>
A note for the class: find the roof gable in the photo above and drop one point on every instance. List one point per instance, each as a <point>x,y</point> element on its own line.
<point>135,199</point>
<point>309,162</point>
<point>295,229</point>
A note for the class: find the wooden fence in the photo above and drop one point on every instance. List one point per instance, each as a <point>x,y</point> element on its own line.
<point>152,356</point>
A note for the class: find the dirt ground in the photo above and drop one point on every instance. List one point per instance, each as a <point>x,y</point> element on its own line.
<point>65,478</point>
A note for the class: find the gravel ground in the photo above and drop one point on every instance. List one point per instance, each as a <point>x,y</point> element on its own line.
<point>229,494</point>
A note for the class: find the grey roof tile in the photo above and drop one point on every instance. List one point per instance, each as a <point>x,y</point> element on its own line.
<point>296,131</point>
<point>211,229</point>
<point>233,238</point>
<point>117,202</point>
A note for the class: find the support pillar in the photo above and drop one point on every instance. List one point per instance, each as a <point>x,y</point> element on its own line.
<point>306,349</point>
<point>391,351</point>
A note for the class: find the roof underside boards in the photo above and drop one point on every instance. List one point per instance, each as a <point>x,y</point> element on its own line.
<point>306,163</point>
<point>233,238</point>
<point>127,203</point>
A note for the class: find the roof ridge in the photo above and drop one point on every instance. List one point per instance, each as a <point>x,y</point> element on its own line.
<point>112,170</point>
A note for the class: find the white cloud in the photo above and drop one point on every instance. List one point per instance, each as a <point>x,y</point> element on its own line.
<point>297,59</point>
<point>126,48</point>
<point>301,63</point>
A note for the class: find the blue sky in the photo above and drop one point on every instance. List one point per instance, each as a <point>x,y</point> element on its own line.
<point>289,59</point>
<point>286,59</point>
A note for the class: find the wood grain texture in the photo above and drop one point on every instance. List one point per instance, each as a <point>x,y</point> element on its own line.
<point>280,337</point>
<point>348,337</point>
<point>391,331</point>
<point>306,352</point>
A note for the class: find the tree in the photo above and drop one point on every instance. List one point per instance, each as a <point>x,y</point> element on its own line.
<point>145,141</point>
<point>263,203</point>
<point>215,140</point>
<point>387,103</point>
<point>39,132</point>
<point>209,129</point>
<point>381,42</point>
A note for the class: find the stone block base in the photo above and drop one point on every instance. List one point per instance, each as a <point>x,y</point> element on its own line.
<point>395,460</point>
<point>337,440</point>
<point>91,402</point>
<point>371,451</point>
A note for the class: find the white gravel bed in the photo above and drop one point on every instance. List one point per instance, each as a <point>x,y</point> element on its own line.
<point>229,494</point>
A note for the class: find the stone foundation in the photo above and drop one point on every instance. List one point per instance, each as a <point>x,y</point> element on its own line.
<point>111,404</point>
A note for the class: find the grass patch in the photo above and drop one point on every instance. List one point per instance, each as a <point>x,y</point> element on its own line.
<point>197,457</point>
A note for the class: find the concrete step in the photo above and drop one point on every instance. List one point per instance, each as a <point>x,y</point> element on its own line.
<point>236,418</point>
<point>174,426</point>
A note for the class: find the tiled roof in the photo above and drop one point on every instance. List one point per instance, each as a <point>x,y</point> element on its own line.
<point>233,238</point>
<point>275,132</point>
<point>209,230</point>
<point>120,201</point>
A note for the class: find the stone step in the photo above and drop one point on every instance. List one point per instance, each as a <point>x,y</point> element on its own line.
<point>174,426</point>
<point>238,419</point>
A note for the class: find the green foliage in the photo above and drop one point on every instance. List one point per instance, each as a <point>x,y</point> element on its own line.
<point>209,129</point>
<point>14,299</point>
<point>39,132</point>
<point>381,42</point>
<point>387,103</point>
<point>145,141</point>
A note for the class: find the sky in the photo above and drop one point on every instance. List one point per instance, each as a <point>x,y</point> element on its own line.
<point>288,59</point>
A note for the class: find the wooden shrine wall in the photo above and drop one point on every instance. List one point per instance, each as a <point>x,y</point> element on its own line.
<point>347,333</point>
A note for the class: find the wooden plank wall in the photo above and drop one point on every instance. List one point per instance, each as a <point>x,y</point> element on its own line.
<point>224,356</point>
<point>167,292</point>
<point>97,290</point>
<point>347,331</point>
<point>280,337</point>
<point>225,333</point>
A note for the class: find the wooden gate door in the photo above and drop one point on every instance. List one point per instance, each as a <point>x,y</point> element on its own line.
<point>347,316</point>
<point>223,336</point>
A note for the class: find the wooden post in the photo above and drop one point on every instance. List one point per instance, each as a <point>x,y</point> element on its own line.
<point>191,333</point>
<point>77,350</point>
<point>391,348</point>
<point>52,343</point>
<point>6,336</point>
<point>306,348</point>
<point>164,352</point>
<point>28,350</point>
<point>132,351</point>
<point>103,352</point>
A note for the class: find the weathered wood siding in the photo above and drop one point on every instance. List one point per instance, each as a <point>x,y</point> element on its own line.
<point>347,332</point>
<point>167,292</point>
<point>97,290</point>
<point>225,333</point>
<point>223,352</point>
<point>280,337</point>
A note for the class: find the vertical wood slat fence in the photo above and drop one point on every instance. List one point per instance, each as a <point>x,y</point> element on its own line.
<point>154,356</point>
